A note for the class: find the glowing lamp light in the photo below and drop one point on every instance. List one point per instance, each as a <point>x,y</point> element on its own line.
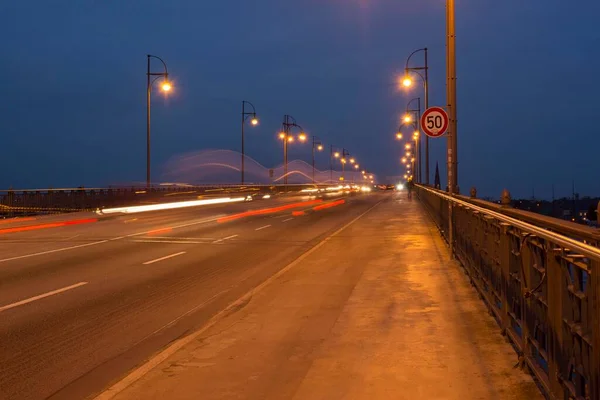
<point>254,121</point>
<point>290,139</point>
<point>302,137</point>
<point>407,119</point>
<point>336,154</point>
<point>398,136</point>
<point>166,86</point>
<point>320,147</point>
<point>282,135</point>
<point>407,82</point>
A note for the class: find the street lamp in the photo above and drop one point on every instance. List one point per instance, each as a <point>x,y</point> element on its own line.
<point>407,119</point>
<point>166,87</point>
<point>288,123</point>
<point>253,122</point>
<point>417,126</point>
<point>408,82</point>
<point>343,161</point>
<point>316,145</point>
<point>399,136</point>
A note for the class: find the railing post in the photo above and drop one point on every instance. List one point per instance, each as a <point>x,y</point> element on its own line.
<point>505,199</point>
<point>473,192</point>
<point>594,282</point>
<point>526,278</point>
<point>555,296</point>
<point>505,252</point>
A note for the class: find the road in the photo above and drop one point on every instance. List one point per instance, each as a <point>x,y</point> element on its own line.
<point>81,305</point>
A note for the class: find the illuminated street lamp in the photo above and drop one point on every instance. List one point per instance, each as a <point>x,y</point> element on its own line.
<point>253,122</point>
<point>403,159</point>
<point>316,145</point>
<point>288,123</point>
<point>165,87</point>
<point>408,82</point>
<point>407,119</point>
<point>407,146</point>
<point>399,136</point>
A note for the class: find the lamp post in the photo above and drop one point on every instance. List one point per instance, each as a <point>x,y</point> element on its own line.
<point>408,82</point>
<point>253,121</point>
<point>343,161</point>
<point>451,143</point>
<point>332,154</point>
<point>166,86</point>
<point>316,144</point>
<point>288,123</point>
<point>416,134</point>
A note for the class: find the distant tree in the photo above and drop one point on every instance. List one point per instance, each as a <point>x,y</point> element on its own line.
<point>592,213</point>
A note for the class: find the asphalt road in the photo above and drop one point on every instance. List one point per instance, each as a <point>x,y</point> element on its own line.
<point>82,305</point>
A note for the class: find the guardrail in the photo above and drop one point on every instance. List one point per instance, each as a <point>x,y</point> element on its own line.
<point>539,277</point>
<point>52,201</point>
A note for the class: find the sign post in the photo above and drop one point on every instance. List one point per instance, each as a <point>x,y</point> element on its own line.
<point>434,122</point>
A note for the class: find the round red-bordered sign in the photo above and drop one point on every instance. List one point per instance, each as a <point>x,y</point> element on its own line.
<point>434,121</point>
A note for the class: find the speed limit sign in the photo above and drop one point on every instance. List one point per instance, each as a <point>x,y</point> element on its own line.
<point>434,121</point>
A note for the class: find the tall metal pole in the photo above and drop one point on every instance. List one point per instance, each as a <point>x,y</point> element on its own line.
<point>451,94</point>
<point>243,120</point>
<point>148,89</point>
<point>451,102</point>
<point>426,107</point>
<point>313,160</point>
<point>419,139</point>
<point>285,143</point>
<point>331,163</point>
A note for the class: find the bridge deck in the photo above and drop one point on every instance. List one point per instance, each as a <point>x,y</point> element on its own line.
<point>378,311</point>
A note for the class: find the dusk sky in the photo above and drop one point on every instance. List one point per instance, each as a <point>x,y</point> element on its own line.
<point>72,109</point>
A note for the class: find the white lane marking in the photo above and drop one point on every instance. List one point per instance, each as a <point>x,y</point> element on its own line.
<point>41,296</point>
<point>225,238</point>
<point>182,238</point>
<point>181,316</point>
<point>41,253</point>
<point>286,220</point>
<point>164,258</point>
<point>262,227</point>
<point>153,362</point>
<point>170,241</point>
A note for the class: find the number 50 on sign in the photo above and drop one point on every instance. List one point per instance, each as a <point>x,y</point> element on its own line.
<point>434,121</point>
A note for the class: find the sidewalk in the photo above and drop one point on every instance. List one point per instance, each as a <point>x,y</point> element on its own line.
<point>377,312</point>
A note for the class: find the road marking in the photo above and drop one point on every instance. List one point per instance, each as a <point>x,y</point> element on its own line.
<point>168,241</point>
<point>286,220</point>
<point>41,296</point>
<point>152,363</point>
<point>182,238</point>
<point>41,253</point>
<point>262,227</point>
<point>164,258</point>
<point>225,238</point>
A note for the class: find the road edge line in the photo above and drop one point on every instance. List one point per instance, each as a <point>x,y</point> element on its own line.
<point>158,358</point>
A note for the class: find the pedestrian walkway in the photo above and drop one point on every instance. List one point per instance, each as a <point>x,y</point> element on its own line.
<point>378,311</point>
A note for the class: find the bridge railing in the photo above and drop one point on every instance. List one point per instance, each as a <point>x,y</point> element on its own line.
<point>540,278</point>
<point>51,201</point>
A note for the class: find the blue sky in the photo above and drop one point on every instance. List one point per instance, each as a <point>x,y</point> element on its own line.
<point>72,110</point>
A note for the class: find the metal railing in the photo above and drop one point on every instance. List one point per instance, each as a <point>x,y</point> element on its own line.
<point>539,277</point>
<point>53,201</point>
